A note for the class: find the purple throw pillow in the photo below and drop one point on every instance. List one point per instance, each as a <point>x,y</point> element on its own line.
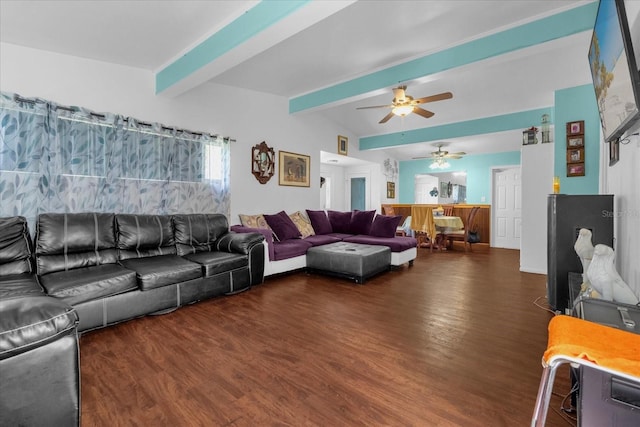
<point>319,222</point>
<point>361,222</point>
<point>282,226</point>
<point>340,221</point>
<point>385,226</point>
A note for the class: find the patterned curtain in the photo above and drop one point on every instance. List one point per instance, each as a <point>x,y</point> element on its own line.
<point>61,159</point>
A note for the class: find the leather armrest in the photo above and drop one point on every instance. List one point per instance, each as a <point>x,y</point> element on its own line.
<point>239,242</point>
<point>268,236</point>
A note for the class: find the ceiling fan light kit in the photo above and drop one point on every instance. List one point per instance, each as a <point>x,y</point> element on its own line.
<point>439,158</point>
<point>403,104</point>
<point>439,164</point>
<point>402,110</point>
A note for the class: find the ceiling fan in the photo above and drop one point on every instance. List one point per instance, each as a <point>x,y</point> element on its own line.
<point>404,104</point>
<point>441,154</point>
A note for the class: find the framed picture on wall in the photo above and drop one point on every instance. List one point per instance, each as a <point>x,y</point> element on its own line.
<point>575,169</point>
<point>391,190</point>
<point>575,128</point>
<point>294,169</point>
<point>343,145</point>
<point>575,155</point>
<point>575,141</point>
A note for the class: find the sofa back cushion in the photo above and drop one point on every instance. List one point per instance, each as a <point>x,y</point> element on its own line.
<point>198,232</point>
<point>15,246</point>
<point>319,222</point>
<point>141,236</point>
<point>65,241</point>
<point>385,226</point>
<point>340,221</point>
<point>360,222</point>
<point>282,226</point>
<point>302,223</point>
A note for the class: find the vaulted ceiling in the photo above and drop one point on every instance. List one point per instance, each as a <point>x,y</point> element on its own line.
<point>502,60</point>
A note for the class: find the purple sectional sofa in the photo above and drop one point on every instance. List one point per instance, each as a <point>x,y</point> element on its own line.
<point>288,237</point>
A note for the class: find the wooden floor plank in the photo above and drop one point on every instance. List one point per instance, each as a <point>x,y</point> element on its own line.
<point>455,340</point>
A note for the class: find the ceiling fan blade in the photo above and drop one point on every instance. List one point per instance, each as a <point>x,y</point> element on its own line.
<point>432,98</point>
<point>452,156</point>
<point>376,106</point>
<point>422,112</point>
<point>420,157</point>
<point>459,153</point>
<point>386,118</point>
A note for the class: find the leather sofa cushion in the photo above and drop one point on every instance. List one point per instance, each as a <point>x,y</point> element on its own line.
<point>65,241</point>
<point>218,262</point>
<point>198,232</point>
<point>18,285</point>
<point>47,264</point>
<point>32,321</point>
<point>290,248</point>
<point>15,246</point>
<point>396,244</point>
<point>89,283</point>
<point>162,270</point>
<point>140,236</point>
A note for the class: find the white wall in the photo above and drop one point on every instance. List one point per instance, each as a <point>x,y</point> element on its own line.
<point>623,180</point>
<point>247,116</point>
<point>336,174</point>
<point>536,167</point>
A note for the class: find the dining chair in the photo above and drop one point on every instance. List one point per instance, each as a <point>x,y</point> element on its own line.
<point>448,210</point>
<point>388,210</point>
<point>424,227</point>
<point>462,235</point>
<point>405,228</point>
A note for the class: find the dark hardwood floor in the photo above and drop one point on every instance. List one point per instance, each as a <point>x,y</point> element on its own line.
<point>455,340</point>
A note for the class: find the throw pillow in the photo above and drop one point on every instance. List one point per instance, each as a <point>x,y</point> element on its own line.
<point>302,224</point>
<point>385,226</point>
<point>340,221</point>
<point>253,221</point>
<point>319,222</point>
<point>282,226</point>
<point>361,222</point>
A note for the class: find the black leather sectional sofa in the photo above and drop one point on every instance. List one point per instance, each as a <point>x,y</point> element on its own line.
<point>89,270</point>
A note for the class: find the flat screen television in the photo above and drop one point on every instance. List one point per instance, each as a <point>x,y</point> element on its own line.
<point>615,75</point>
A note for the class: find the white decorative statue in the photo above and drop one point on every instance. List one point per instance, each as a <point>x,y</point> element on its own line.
<point>605,279</point>
<point>584,249</point>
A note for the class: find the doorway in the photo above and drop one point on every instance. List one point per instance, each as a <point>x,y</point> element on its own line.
<point>358,194</point>
<point>506,207</point>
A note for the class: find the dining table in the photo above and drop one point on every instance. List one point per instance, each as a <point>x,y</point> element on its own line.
<point>448,223</point>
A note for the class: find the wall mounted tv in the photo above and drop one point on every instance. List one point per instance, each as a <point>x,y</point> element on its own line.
<point>616,79</point>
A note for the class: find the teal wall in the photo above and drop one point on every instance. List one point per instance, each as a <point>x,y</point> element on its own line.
<point>478,169</point>
<point>573,104</point>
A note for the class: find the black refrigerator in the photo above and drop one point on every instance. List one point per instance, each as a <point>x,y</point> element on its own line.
<point>566,215</point>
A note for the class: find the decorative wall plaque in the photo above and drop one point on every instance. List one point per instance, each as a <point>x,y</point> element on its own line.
<point>263,161</point>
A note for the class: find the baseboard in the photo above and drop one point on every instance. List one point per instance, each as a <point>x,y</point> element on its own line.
<point>525,269</point>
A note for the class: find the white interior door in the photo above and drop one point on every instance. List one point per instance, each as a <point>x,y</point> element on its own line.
<point>423,184</point>
<point>507,207</point>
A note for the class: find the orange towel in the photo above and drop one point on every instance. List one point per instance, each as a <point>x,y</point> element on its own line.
<point>609,347</point>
